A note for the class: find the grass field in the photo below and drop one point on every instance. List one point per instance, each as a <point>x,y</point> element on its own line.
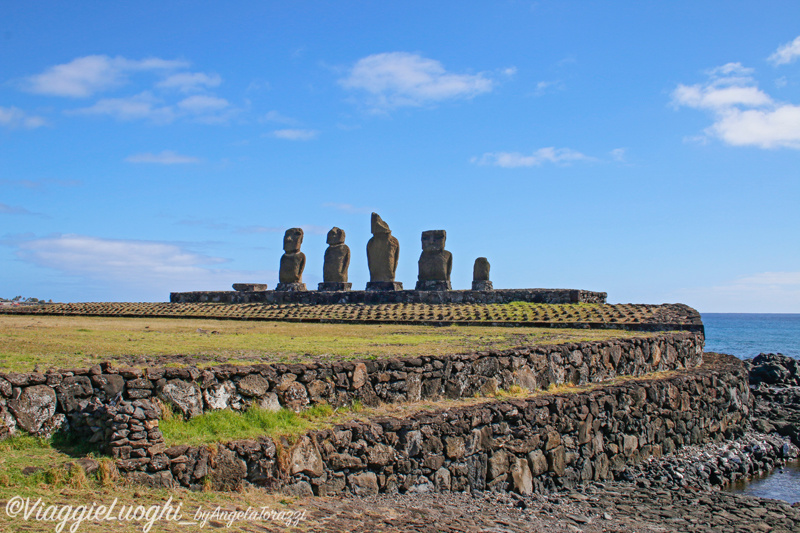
<point>74,341</point>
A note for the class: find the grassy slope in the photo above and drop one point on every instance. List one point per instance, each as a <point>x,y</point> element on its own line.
<point>73,341</point>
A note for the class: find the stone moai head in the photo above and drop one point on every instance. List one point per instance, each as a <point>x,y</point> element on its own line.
<point>335,236</point>
<point>379,226</point>
<point>433,240</point>
<point>480,272</point>
<point>292,240</point>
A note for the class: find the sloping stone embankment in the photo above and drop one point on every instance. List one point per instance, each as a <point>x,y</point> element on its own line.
<point>538,444</point>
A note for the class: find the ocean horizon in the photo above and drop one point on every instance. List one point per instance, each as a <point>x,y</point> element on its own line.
<point>746,335</point>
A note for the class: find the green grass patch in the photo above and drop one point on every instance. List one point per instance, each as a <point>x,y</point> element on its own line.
<point>225,424</point>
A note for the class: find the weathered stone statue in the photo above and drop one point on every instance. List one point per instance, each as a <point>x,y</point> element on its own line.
<point>480,275</point>
<point>435,263</point>
<point>383,252</point>
<point>337,260</point>
<point>292,262</point>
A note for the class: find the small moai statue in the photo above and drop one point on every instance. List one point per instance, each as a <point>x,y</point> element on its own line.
<point>480,275</point>
<point>435,263</point>
<point>337,261</point>
<point>383,252</point>
<point>293,261</point>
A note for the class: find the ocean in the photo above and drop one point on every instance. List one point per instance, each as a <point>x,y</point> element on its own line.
<point>746,335</point>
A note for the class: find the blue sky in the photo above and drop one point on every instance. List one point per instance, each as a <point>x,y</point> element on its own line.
<point>646,149</point>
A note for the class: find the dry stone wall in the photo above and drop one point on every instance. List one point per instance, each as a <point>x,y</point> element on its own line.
<point>39,403</point>
<point>527,445</point>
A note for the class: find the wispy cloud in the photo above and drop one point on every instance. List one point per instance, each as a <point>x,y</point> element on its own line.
<point>743,114</point>
<point>143,106</point>
<point>40,184</point>
<point>166,157</point>
<point>786,53</point>
<point>147,106</point>
<point>274,116</point>
<point>764,292</point>
<point>203,104</point>
<point>6,209</point>
<point>618,154</point>
<point>13,118</point>
<point>349,208</point>
<point>133,263</point>
<point>544,87</point>
<point>397,79</point>
<point>174,92</point>
<point>550,154</point>
<point>255,230</point>
<point>85,76</point>
<point>190,81</point>
<point>296,134</point>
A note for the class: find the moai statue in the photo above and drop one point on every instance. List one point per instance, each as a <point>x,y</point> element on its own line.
<point>383,251</point>
<point>292,262</point>
<point>337,260</point>
<point>480,275</point>
<point>435,263</point>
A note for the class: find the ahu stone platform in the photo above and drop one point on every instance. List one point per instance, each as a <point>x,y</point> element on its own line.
<point>500,296</point>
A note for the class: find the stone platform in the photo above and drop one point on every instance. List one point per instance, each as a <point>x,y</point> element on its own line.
<point>500,296</point>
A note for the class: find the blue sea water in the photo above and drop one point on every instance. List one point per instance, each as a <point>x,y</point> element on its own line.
<point>746,335</point>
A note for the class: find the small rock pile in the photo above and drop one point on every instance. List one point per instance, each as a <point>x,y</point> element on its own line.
<point>774,369</point>
<point>715,464</point>
<point>775,384</point>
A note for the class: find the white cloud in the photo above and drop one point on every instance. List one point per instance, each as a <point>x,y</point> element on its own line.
<point>166,157</point>
<point>618,154</point>
<point>132,263</point>
<point>712,97</point>
<point>189,81</point>
<point>543,87</point>
<point>146,106</point>
<point>537,158</point>
<point>772,128</point>
<point>296,135</point>
<point>398,79</point>
<point>743,114</point>
<point>765,292</point>
<point>203,104</point>
<point>85,76</point>
<point>274,116</point>
<point>786,53</point>
<point>13,118</point>
<point>143,106</point>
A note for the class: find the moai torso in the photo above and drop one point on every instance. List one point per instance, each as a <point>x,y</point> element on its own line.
<point>292,266</point>
<point>435,263</point>
<point>293,261</point>
<point>337,258</point>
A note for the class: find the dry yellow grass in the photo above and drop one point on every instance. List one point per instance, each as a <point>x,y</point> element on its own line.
<point>75,341</point>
